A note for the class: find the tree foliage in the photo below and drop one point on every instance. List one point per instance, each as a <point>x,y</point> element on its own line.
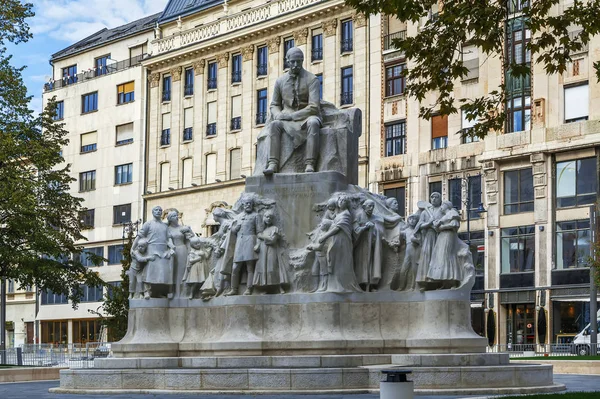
<point>39,219</point>
<point>435,53</point>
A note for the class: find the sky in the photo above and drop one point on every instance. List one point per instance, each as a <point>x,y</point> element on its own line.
<point>59,23</point>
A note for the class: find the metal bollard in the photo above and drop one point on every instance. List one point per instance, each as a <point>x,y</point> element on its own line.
<point>19,356</point>
<point>396,386</point>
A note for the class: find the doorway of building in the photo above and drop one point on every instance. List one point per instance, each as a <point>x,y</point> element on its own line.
<point>29,332</point>
<point>520,326</point>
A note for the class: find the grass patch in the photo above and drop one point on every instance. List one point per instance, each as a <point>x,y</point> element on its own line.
<point>566,395</point>
<point>557,358</point>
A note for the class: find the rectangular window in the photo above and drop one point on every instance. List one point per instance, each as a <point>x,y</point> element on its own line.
<point>400,194</point>
<point>115,254</point>
<point>125,93</point>
<point>236,113</point>
<point>186,172</point>
<point>439,132</point>
<point>466,126</point>
<point>395,139</point>
<point>317,45</point>
<point>87,181</point>
<point>577,102</point>
<point>347,35</point>
<point>211,126</point>
<point>89,102</point>
<point>89,142</point>
<point>347,86</point>
<point>85,331</point>
<point>125,134</point>
<point>121,214</point>
<point>475,195</point>
<point>211,168</point>
<point>573,246</point>
<point>100,65</point>
<point>165,136</point>
<point>287,45</point>
<point>166,88</point>
<point>518,191</point>
<point>519,113</point>
<point>518,106</point>
<point>320,77</point>
<point>188,123</point>
<point>54,332</point>
<point>235,163</point>
<point>470,59</point>
<point>123,174</point>
<point>212,76</point>
<point>50,298</point>
<point>91,294</point>
<point>189,82</point>
<point>435,187</point>
<point>261,106</point>
<point>87,218</point>
<point>576,183</point>
<point>262,61</point>
<point>394,80</point>
<point>85,258</point>
<point>455,192</point>
<point>518,249</point>
<point>69,75</point>
<point>236,68</point>
<point>59,113</point>
<point>137,53</point>
<point>476,242</point>
<point>10,286</point>
<point>165,169</point>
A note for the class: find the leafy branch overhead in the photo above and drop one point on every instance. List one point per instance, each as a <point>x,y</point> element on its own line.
<point>435,50</point>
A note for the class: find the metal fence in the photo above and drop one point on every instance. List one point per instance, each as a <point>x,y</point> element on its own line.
<point>49,355</point>
<point>531,350</point>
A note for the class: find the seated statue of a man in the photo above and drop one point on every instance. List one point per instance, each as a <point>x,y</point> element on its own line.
<point>295,111</point>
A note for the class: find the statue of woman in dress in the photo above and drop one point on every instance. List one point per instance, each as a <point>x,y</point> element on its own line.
<point>428,235</point>
<point>445,270</point>
<point>180,235</point>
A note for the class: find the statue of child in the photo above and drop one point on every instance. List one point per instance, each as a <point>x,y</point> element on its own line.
<point>138,262</point>
<point>198,265</point>
<point>320,269</point>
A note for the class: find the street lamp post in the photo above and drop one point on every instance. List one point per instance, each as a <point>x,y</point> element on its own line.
<point>468,202</point>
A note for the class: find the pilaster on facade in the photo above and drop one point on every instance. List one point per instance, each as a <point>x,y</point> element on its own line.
<point>248,53</point>
<point>223,60</point>
<point>199,67</point>
<point>176,73</point>
<point>154,79</point>
<point>330,27</point>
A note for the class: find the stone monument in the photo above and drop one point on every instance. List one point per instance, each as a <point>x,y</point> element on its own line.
<point>310,282</point>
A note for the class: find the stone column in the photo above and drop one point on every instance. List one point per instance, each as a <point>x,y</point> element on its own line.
<point>223,114</point>
<point>248,108</point>
<point>331,55</point>
<point>275,62</point>
<point>540,215</point>
<point>360,89</point>
<point>154,133</point>
<point>491,176</point>
<point>176,127</point>
<point>300,37</point>
<point>199,123</point>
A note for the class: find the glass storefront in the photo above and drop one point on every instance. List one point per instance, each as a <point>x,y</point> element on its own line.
<point>520,324</point>
<point>568,318</point>
<point>54,332</point>
<point>86,331</point>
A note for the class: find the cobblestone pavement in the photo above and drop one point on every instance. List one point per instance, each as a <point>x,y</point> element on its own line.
<point>39,390</point>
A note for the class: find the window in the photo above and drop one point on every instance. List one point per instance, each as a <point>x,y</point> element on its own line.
<point>236,113</point>
<point>439,132</point>
<point>517,5</point>
<point>189,82</point>
<point>477,247</point>
<point>577,99</point>
<point>88,142</point>
<point>262,61</point>
<point>317,45</point>
<point>320,77</point>
<point>394,80</point>
<point>87,218</point>
<point>455,192</point>
<point>475,195</point>
<point>261,106</point>
<point>400,194</point>
<point>236,68</point>
<point>166,88</point>
<point>287,45</point>
<point>121,214</point>
<point>85,331</point>
<point>11,286</point>
<point>518,88</point>
<point>519,114</point>
<point>165,169</point>
<point>211,126</point>
<point>125,93</point>
<point>395,139</point>
<point>87,181</point>
<point>573,244</point>
<point>466,126</point>
<point>125,134</point>
<point>54,332</point>
<point>89,102</point>
<point>87,260</point>
<point>186,172</point>
<point>435,187</point>
<point>115,254</point>
<point>50,298</point>
<point>211,168</point>
<point>110,288</point>
<point>470,59</point>
<point>576,183</point>
<point>347,85</point>
<point>188,123</point>
<point>137,53</point>
<point>518,191</point>
<point>347,35</point>
<point>100,65</point>
<point>212,76</point>
<point>518,249</point>
<point>235,163</point>
<point>59,112</point>
<point>91,294</point>
<point>165,136</point>
<point>69,75</point>
<point>123,174</point>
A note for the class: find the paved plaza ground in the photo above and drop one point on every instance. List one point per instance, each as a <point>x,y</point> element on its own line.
<point>39,390</point>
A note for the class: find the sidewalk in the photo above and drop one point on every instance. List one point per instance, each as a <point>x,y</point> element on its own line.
<point>39,390</point>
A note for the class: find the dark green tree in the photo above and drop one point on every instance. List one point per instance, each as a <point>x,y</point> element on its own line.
<point>435,53</point>
<point>39,219</point>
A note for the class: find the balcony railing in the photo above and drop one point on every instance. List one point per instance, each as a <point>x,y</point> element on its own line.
<point>317,54</point>
<point>211,129</point>
<point>92,73</point>
<point>188,90</point>
<point>261,70</point>
<point>211,83</point>
<point>388,40</point>
<point>187,134</point>
<point>236,123</point>
<point>347,45</point>
<point>165,137</point>
<point>261,118</point>
<point>236,77</point>
<point>346,98</point>
<point>166,95</point>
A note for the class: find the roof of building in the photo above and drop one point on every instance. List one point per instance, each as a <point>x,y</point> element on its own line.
<point>176,8</point>
<point>105,35</point>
